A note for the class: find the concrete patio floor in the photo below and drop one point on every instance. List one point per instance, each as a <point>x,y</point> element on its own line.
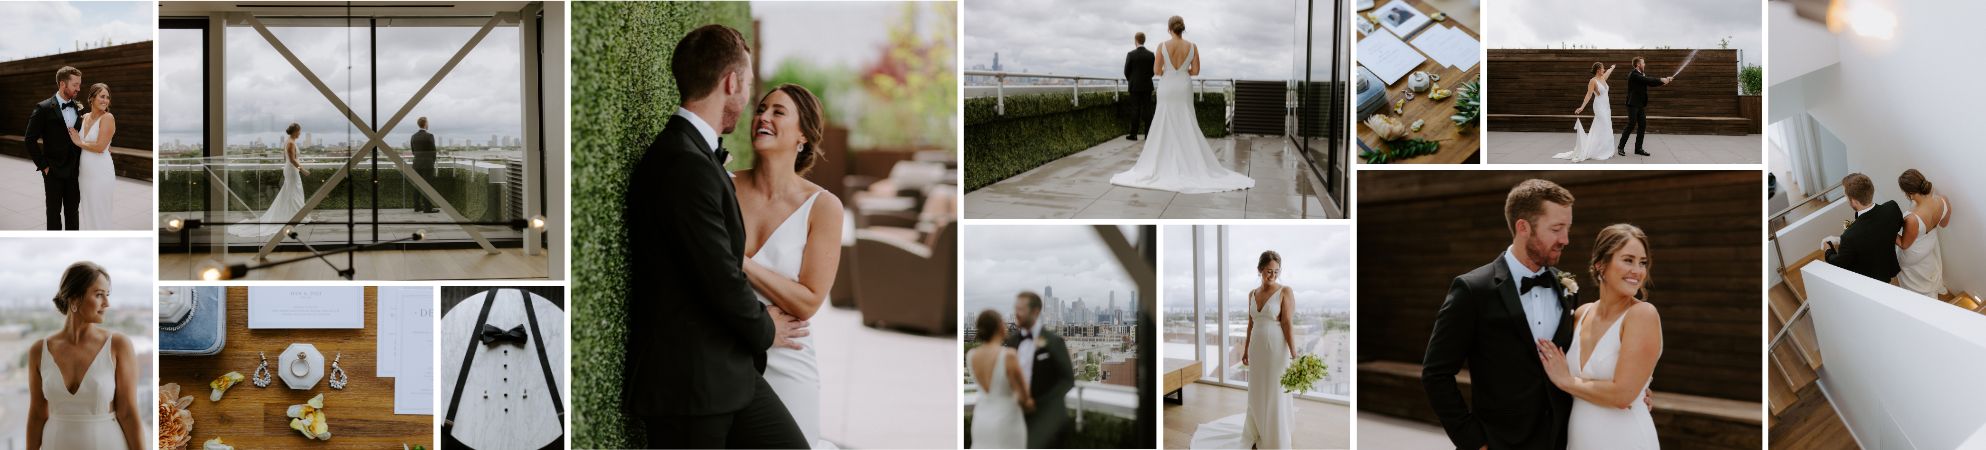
<point>1510,147</point>
<point>1078,187</point>
<point>22,207</point>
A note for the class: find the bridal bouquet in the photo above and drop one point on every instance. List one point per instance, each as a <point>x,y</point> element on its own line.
<point>1304,371</point>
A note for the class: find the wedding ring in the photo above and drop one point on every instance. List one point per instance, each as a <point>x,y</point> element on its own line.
<point>301,366</point>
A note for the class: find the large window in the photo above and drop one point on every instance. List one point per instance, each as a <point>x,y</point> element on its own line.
<point>1316,266</point>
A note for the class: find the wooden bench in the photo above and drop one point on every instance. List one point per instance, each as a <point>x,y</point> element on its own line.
<point>131,163</point>
<point>1682,421</point>
<point>1179,373</point>
<point>1562,123</point>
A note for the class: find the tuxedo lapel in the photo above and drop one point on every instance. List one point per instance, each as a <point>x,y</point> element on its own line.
<point>1506,286</point>
<point>1563,336</point>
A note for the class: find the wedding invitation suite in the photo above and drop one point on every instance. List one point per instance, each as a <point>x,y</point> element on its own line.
<point>299,307</point>
<point>413,386</point>
<point>1388,57</point>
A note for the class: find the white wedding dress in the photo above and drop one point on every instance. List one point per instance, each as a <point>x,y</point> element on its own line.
<point>1176,155</point>
<point>1267,423</point>
<point>793,374</point>
<point>96,178</point>
<point>1923,263</point>
<point>1598,142</point>
<point>81,420</point>
<point>289,200</point>
<point>997,419</point>
<point>1599,427</point>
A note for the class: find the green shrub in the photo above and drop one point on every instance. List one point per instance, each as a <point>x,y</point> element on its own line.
<point>1039,128</point>
<point>622,95</point>
<point>1751,79</point>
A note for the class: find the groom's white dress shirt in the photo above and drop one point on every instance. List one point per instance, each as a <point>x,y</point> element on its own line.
<point>1541,310</point>
<point>1027,352</point>
<point>68,114</point>
<point>702,128</point>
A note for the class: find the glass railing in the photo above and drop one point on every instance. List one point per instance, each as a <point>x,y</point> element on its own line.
<point>480,188</point>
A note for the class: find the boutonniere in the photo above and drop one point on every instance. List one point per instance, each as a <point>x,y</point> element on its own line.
<point>1845,223</point>
<point>1569,282</point>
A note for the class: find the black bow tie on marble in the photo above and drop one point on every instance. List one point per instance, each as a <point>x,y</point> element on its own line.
<point>491,335</point>
<point>1543,280</point>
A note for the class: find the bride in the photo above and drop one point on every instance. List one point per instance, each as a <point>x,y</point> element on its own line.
<point>289,199</point>
<point>1917,248</point>
<point>96,176</point>
<point>792,240</point>
<point>81,381</point>
<point>1267,353</point>
<point>1598,142</point>
<point>999,418</point>
<point>1615,346</point>
<point>1176,155</point>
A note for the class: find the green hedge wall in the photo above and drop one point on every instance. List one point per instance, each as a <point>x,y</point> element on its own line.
<point>1039,128</point>
<point>622,95</point>
<point>466,190</point>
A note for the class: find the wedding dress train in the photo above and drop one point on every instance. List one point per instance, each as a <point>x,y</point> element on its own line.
<point>96,178</point>
<point>997,420</point>
<point>81,419</point>
<point>1176,155</point>
<point>1267,423</point>
<point>289,200</point>
<point>1924,262</point>
<point>1599,427</point>
<point>793,374</point>
<point>1598,142</point>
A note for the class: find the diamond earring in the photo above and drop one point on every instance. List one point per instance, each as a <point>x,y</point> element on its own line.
<point>262,375</point>
<point>338,377</point>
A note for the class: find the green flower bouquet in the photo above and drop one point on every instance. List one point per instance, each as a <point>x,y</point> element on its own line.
<point>1303,373</point>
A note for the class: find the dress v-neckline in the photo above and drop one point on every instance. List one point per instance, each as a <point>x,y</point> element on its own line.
<point>804,206</point>
<point>92,365</point>
<point>1264,304</point>
<point>1586,351</point>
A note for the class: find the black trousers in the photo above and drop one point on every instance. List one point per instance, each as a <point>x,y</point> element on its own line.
<point>425,168</point>
<point>1141,107</point>
<point>61,196</point>
<point>764,423</point>
<point>1637,123</point>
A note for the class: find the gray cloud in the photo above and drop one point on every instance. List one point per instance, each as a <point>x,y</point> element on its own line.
<point>1316,262</point>
<point>1243,40</point>
<point>1627,24</point>
<point>47,28</point>
<point>1002,260</point>
<point>31,281</point>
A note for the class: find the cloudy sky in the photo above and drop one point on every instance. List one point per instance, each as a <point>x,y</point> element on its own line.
<point>1627,24</point>
<point>479,98</point>
<point>819,31</point>
<point>1003,260</point>
<point>1316,263</point>
<point>32,281</point>
<point>45,28</point>
<point>1244,40</point>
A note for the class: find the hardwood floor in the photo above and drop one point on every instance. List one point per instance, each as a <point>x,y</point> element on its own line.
<point>1810,423</point>
<point>1318,424</point>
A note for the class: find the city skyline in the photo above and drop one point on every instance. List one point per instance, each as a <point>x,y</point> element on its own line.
<point>1002,261</point>
<point>32,282</point>
<point>1245,40</point>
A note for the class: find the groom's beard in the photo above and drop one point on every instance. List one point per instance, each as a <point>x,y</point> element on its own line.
<point>1543,252</point>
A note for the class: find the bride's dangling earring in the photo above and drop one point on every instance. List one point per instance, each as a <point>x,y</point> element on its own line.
<point>338,377</point>
<point>262,376</point>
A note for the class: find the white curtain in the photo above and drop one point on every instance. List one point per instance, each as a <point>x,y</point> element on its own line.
<point>1796,136</point>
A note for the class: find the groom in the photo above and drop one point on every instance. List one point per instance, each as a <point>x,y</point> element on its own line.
<point>1050,375</point>
<point>1638,83</point>
<point>1492,319</point>
<point>696,348</point>
<point>54,154</point>
<point>1138,71</point>
<point>1868,246</point>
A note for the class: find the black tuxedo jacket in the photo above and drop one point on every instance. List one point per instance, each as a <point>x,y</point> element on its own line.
<point>48,139</point>
<point>1053,376</point>
<point>422,145</point>
<point>1868,246</point>
<point>697,336</point>
<point>1138,69</point>
<point>1637,87</point>
<point>1482,324</point>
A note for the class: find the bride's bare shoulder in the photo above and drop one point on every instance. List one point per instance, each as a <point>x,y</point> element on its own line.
<point>1643,313</point>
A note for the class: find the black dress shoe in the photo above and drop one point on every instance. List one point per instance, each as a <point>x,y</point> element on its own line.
<point>1642,153</point>
<point>1133,137</point>
<point>1620,152</point>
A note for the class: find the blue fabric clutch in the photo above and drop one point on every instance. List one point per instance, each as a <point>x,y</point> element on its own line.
<point>205,332</point>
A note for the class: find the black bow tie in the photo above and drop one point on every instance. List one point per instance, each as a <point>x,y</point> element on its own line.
<point>1026,335</point>
<point>492,335</point>
<point>68,105</point>
<point>1543,280</point>
<point>720,155</point>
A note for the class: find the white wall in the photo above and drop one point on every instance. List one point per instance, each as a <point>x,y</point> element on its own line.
<point>1899,366</point>
<point>1798,46</point>
<point>1894,115</point>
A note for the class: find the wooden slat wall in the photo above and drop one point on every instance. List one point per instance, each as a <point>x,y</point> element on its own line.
<point>1527,82</point>
<point>1258,107</point>
<point>1420,229</point>
<point>126,68</point>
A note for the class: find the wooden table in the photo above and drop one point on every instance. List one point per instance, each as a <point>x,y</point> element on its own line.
<point>248,417</point>
<point>1178,374</point>
<point>1457,145</point>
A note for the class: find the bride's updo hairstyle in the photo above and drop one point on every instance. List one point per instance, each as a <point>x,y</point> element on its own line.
<point>293,129</point>
<point>1913,182</point>
<point>90,97</point>
<point>1611,240</point>
<point>812,126</point>
<point>987,325</point>
<point>1177,25</point>
<point>1596,67</point>
<point>76,282</point>
<point>1268,256</point>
